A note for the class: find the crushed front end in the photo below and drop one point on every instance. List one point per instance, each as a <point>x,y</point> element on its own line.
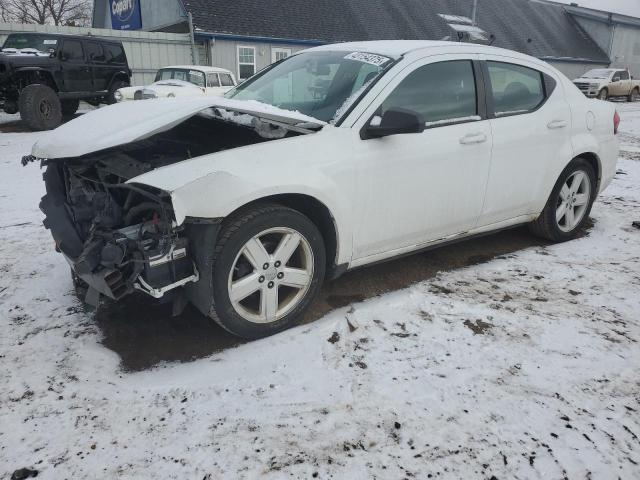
<point>117,237</point>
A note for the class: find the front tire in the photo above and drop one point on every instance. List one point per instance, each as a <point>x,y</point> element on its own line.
<point>40,107</point>
<point>569,204</point>
<point>268,267</point>
<point>604,94</point>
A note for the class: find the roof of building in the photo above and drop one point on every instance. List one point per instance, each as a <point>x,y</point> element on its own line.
<point>539,29</point>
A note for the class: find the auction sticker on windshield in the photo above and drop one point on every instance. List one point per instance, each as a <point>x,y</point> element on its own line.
<point>370,58</point>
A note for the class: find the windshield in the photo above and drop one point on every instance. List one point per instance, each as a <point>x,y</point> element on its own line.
<point>318,84</point>
<point>192,76</point>
<point>599,73</point>
<point>43,43</point>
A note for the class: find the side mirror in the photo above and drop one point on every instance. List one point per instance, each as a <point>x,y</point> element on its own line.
<point>616,79</point>
<point>52,53</point>
<point>395,121</point>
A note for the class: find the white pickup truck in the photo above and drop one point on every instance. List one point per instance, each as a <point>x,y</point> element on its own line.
<point>605,83</point>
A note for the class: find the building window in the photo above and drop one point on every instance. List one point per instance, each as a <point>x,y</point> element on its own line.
<point>246,62</point>
<point>278,54</point>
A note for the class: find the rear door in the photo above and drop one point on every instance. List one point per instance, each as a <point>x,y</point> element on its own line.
<point>530,123</point>
<point>101,72</point>
<point>76,72</point>
<point>413,189</point>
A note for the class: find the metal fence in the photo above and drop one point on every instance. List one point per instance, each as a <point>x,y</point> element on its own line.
<point>146,51</point>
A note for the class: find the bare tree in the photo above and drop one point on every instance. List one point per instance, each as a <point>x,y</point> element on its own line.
<point>56,12</point>
<point>70,12</point>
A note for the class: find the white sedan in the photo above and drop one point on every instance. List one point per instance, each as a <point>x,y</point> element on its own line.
<point>182,81</point>
<point>335,158</point>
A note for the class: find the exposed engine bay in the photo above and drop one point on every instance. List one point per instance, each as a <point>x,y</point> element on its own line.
<point>121,237</point>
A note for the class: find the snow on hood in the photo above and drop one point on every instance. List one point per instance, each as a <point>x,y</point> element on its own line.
<point>128,122</point>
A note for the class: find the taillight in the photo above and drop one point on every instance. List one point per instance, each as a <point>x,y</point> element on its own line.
<point>616,123</point>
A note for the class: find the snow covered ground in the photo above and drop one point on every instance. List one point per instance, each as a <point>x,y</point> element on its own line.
<point>526,366</point>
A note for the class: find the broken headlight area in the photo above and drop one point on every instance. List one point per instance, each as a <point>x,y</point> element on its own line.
<point>118,237</point>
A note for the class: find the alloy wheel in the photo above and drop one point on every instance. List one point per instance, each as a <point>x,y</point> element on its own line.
<point>573,201</point>
<point>271,275</point>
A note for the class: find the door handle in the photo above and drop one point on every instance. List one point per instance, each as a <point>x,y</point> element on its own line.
<point>473,138</point>
<point>555,124</point>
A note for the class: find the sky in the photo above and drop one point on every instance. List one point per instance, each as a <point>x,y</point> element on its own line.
<point>626,7</point>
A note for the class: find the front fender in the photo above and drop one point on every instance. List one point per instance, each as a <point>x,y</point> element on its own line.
<point>317,165</point>
<point>219,194</point>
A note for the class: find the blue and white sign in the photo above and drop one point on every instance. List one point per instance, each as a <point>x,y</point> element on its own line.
<point>125,15</point>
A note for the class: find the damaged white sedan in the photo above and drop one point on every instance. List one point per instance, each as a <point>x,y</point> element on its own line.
<point>335,158</point>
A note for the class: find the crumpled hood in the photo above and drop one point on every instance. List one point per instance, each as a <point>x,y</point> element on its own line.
<point>128,122</point>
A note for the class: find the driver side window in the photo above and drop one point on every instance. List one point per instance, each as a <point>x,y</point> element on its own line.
<point>439,92</point>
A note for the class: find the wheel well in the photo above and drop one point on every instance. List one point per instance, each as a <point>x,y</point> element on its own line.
<point>593,159</point>
<point>30,77</point>
<point>118,76</point>
<point>318,213</point>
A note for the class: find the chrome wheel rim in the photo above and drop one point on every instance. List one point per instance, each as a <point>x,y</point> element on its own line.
<point>270,275</point>
<point>573,201</point>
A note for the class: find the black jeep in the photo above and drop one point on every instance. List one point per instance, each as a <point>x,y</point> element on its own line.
<point>44,76</point>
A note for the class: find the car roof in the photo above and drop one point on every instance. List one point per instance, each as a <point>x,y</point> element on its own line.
<point>202,68</point>
<point>74,37</point>
<point>398,48</point>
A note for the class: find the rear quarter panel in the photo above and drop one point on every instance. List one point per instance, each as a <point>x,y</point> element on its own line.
<point>592,133</point>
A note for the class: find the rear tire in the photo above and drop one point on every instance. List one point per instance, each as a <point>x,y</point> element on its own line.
<point>604,94</point>
<point>569,204</point>
<point>110,99</point>
<point>69,107</point>
<point>268,266</point>
<point>634,96</point>
<point>40,107</point>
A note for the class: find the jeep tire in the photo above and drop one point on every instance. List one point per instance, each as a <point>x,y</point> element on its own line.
<point>40,107</point>
<point>110,99</point>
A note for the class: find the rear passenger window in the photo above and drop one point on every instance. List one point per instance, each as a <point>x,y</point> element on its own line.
<point>94,52</point>
<point>440,92</point>
<point>226,80</point>
<point>114,54</point>
<point>515,89</point>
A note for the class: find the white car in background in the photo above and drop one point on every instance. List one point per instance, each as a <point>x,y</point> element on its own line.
<point>245,204</point>
<point>182,81</point>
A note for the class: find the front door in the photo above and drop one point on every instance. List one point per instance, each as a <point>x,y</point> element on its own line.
<point>76,73</point>
<point>530,138</point>
<point>623,85</point>
<point>413,189</point>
